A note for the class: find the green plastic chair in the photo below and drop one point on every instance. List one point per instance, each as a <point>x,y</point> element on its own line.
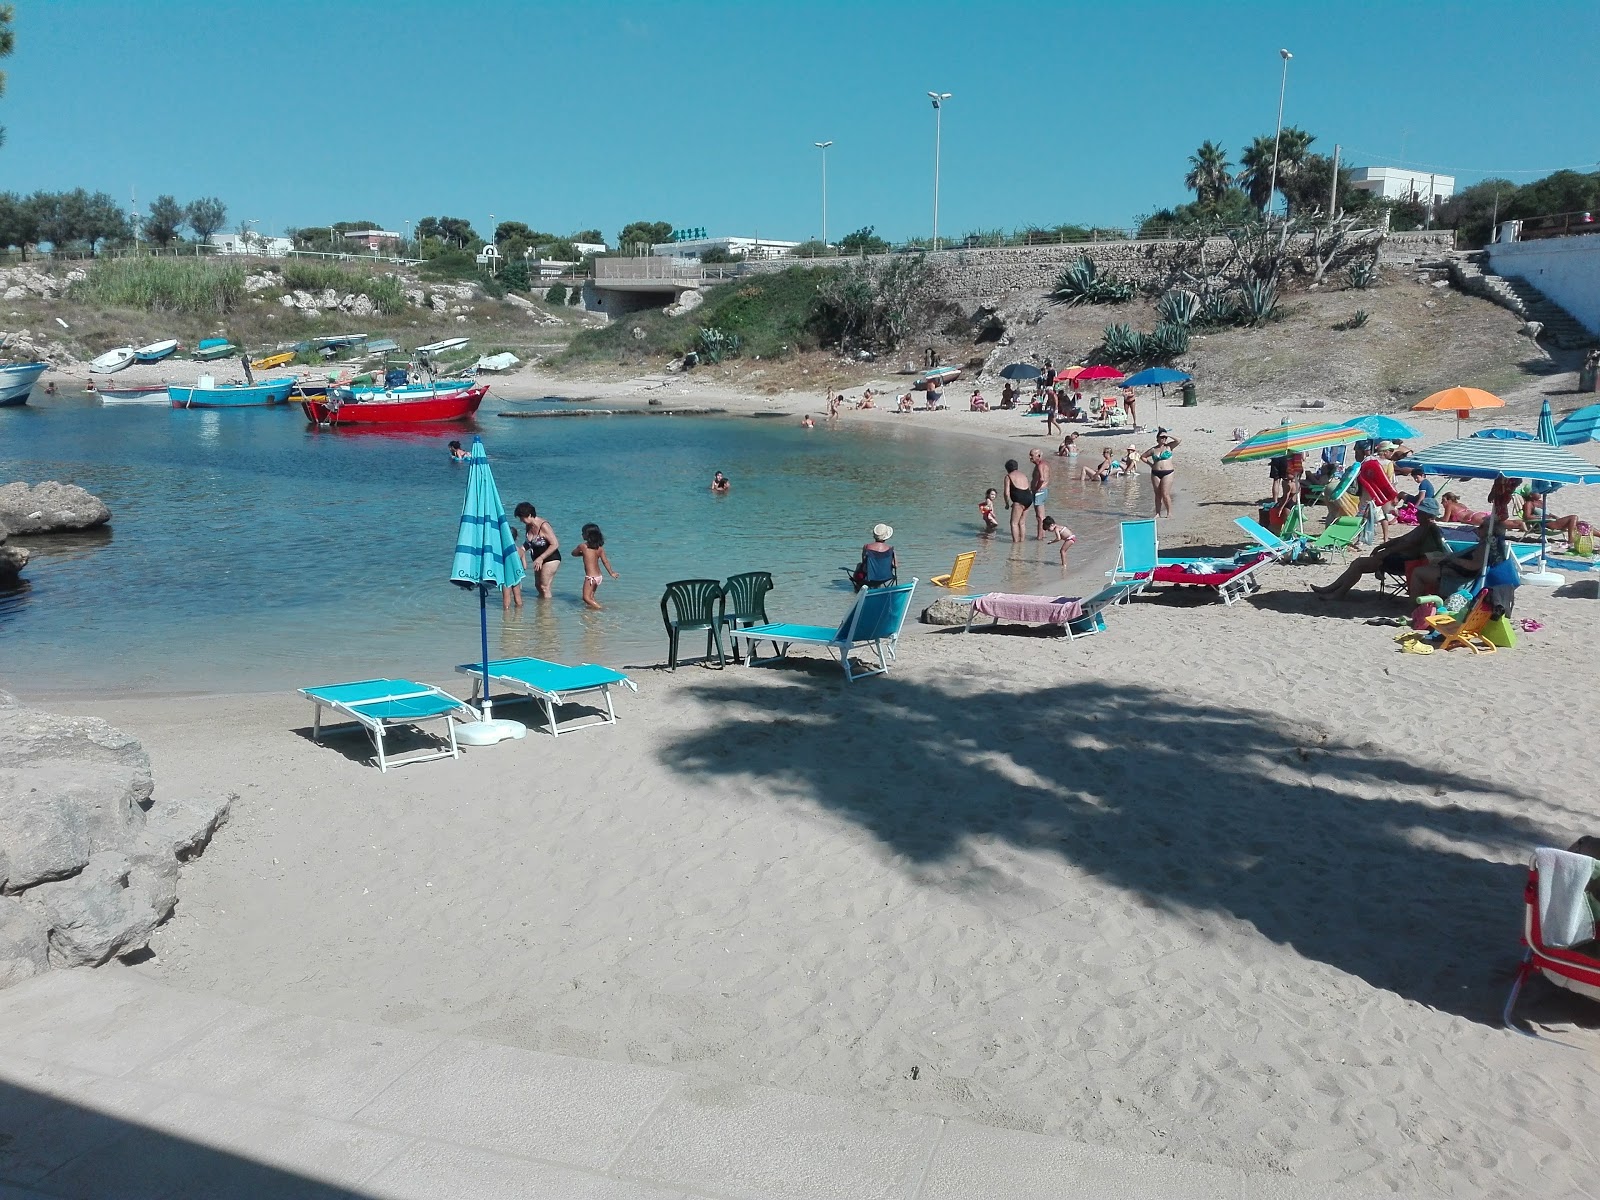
<point>689,605</point>
<point>1339,535</point>
<point>746,601</point>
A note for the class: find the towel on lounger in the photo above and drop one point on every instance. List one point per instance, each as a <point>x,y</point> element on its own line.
<point>1564,914</point>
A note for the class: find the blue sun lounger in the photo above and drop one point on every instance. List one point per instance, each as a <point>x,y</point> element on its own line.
<point>552,684</point>
<point>377,704</point>
<point>874,621</point>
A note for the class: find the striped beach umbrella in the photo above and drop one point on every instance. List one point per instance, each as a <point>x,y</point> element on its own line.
<point>486,549</point>
<point>1292,439</point>
<point>1492,458</point>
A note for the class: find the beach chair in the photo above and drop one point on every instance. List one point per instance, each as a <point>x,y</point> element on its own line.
<point>689,605</point>
<point>552,684</point>
<point>1110,414</point>
<point>1280,549</point>
<point>959,573</point>
<point>1080,618</point>
<point>745,600</point>
<point>379,704</point>
<point>1557,919</point>
<point>1468,630</point>
<point>1340,535</point>
<point>873,622</point>
<point>1140,552</point>
<point>878,570</point>
<point>1231,585</point>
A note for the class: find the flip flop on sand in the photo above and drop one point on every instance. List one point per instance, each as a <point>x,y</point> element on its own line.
<point>1529,625</point>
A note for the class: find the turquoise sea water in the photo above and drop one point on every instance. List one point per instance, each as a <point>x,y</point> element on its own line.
<point>249,552</point>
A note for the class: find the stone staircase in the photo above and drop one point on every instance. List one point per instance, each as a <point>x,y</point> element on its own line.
<point>1561,329</point>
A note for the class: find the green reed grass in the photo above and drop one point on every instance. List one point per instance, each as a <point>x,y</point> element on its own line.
<point>198,287</point>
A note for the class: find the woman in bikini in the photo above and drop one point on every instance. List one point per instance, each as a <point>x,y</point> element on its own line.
<point>1159,459</point>
<point>1457,513</point>
<point>1101,471</point>
<point>540,550</point>
<point>1018,491</point>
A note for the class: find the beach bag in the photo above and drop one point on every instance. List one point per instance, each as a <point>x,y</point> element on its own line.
<point>1583,544</point>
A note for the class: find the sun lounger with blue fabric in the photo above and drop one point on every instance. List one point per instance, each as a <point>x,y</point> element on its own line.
<point>552,684</point>
<point>1140,551</point>
<point>873,622</point>
<point>1280,549</point>
<point>379,704</point>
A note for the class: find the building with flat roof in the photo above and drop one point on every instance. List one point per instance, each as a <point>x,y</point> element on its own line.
<point>1404,183</point>
<point>748,246</point>
<point>374,238</point>
<point>254,243</point>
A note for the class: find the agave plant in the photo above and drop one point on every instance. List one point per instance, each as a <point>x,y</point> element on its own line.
<point>1178,306</point>
<point>1082,283</point>
<point>1168,340</point>
<point>1218,308</point>
<point>1363,275</point>
<point>1258,300</point>
<point>1122,343</point>
<point>717,344</point>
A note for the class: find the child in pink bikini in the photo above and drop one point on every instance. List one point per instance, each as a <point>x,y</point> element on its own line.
<point>1061,535</point>
<point>592,551</point>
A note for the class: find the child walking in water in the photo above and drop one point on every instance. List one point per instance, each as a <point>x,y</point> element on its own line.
<point>986,511</point>
<point>592,550</point>
<point>1061,535</point>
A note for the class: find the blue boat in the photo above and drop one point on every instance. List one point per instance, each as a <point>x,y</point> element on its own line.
<point>17,380</point>
<point>230,395</point>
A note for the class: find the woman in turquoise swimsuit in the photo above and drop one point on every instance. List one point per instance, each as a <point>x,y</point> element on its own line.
<point>1159,459</point>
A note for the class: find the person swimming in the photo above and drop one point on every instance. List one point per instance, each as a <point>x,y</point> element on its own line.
<point>457,454</point>
<point>720,484</point>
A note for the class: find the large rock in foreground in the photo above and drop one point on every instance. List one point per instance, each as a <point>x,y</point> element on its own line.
<point>12,560</point>
<point>50,507</point>
<point>89,855</point>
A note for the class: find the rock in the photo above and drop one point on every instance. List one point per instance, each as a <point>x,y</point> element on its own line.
<point>438,303</point>
<point>50,507</point>
<point>363,306</point>
<point>17,293</point>
<point>100,912</point>
<point>1532,329</point>
<point>259,283</point>
<point>179,829</point>
<point>24,942</point>
<point>288,301</point>
<point>12,560</point>
<point>946,611</point>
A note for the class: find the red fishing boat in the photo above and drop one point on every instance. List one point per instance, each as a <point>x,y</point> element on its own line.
<point>398,410</point>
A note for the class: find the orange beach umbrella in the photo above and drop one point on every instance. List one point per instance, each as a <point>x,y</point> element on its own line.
<point>1460,400</point>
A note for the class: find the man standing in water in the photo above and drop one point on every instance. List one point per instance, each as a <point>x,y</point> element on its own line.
<point>1041,482</point>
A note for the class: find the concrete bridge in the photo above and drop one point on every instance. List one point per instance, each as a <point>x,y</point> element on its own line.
<point>625,285</point>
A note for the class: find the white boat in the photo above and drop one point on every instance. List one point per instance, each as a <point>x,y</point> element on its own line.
<point>17,380</point>
<point>148,393</point>
<point>113,360</point>
<point>156,351</point>
<point>498,362</point>
<point>441,347</point>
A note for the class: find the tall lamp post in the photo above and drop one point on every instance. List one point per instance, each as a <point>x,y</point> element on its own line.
<point>823,146</point>
<point>1277,135</point>
<point>938,99</point>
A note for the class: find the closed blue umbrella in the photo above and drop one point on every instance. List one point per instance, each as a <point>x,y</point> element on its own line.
<point>1546,429</point>
<point>1153,376</point>
<point>1580,425</point>
<point>1381,427</point>
<point>486,549</point>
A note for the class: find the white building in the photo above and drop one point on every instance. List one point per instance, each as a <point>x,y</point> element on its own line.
<point>254,243</point>
<point>590,247</point>
<point>749,247</point>
<point>1404,183</point>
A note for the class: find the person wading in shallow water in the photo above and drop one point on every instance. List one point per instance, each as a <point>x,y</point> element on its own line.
<point>1041,484</point>
<point>1018,491</point>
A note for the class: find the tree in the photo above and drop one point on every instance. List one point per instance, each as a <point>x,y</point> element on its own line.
<point>166,217</point>
<point>458,230</point>
<point>1255,164</point>
<point>428,227</point>
<point>717,254</point>
<point>19,223</point>
<point>1472,211</point>
<point>8,43</point>
<point>1309,187</point>
<point>591,237</point>
<point>351,226</point>
<point>205,216</point>
<point>560,250</point>
<point>515,274</point>
<point>645,233</point>
<point>1563,192</point>
<point>1230,210</point>
<point>1208,176</point>
<point>100,220</point>
<point>863,241</point>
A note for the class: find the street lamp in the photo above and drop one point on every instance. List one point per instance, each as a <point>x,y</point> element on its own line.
<point>1277,135</point>
<point>938,99</point>
<point>823,146</point>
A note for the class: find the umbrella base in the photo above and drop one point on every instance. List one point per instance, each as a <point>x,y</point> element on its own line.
<point>488,733</point>
<point>1543,578</point>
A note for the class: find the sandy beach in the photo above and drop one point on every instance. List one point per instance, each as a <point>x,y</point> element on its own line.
<point>1241,885</point>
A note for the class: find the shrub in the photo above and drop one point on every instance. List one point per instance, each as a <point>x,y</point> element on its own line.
<point>575,297</point>
<point>1082,283</point>
<point>557,294</point>
<point>1363,275</point>
<point>197,287</point>
<point>515,275</point>
<point>1355,321</point>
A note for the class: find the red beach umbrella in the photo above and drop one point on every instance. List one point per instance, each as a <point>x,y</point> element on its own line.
<point>1099,373</point>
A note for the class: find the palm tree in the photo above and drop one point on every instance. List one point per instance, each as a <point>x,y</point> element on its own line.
<point>1209,176</point>
<point>1255,164</point>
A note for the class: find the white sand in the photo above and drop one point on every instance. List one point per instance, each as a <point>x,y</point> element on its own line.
<point>1242,885</point>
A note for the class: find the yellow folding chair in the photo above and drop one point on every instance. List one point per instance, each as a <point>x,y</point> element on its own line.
<point>958,573</point>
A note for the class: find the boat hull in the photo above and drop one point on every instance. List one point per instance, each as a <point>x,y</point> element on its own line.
<point>212,353</point>
<point>155,393</point>
<point>268,362</point>
<point>453,406</point>
<point>273,391</point>
<point>156,351</point>
<point>112,361</point>
<point>17,381</point>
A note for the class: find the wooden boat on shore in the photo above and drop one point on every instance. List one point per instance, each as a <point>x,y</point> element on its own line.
<point>210,394</point>
<point>211,349</point>
<point>112,360</point>
<point>268,362</point>
<point>156,351</point>
<point>17,380</point>
<point>398,408</point>
<point>149,393</point>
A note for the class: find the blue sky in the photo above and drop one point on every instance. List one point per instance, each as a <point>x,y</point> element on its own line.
<point>570,115</point>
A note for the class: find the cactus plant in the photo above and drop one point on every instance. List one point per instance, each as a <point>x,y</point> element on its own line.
<point>1082,283</point>
<point>1122,343</point>
<point>1363,275</point>
<point>717,344</point>
<point>1180,307</point>
<point>1168,340</point>
<point>1258,301</point>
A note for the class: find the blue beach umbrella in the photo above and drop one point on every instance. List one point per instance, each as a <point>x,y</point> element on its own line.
<point>1153,376</point>
<point>1020,371</point>
<point>1545,431</point>
<point>1580,425</point>
<point>1381,427</point>
<point>486,549</point>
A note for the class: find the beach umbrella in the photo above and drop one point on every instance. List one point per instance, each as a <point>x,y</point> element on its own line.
<point>1020,370</point>
<point>1154,377</point>
<point>1381,427</point>
<point>485,558</point>
<point>938,374</point>
<point>1460,400</point>
<point>1580,425</point>
<point>1070,373</point>
<point>1505,435</point>
<point>1100,372</point>
<point>1293,439</point>
<point>1545,430</point>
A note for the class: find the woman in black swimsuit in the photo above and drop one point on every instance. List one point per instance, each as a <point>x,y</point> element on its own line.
<point>541,549</point>
<point>1018,491</point>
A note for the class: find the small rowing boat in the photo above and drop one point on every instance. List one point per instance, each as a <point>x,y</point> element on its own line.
<point>268,362</point>
<point>156,351</point>
<point>208,393</point>
<point>211,349</point>
<point>149,393</point>
<point>112,360</point>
